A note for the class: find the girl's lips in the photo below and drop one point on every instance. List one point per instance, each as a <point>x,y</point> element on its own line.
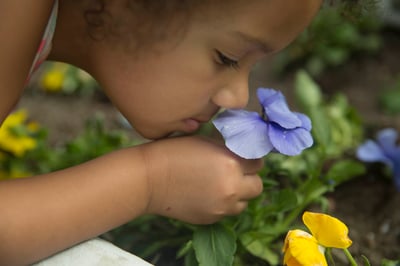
<point>191,125</point>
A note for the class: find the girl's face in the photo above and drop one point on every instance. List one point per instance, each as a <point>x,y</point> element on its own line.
<point>188,80</point>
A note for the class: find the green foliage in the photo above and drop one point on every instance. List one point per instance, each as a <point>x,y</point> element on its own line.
<point>94,141</point>
<point>20,139</point>
<point>346,132</point>
<point>330,41</point>
<point>389,99</point>
<point>391,263</point>
<point>220,242</point>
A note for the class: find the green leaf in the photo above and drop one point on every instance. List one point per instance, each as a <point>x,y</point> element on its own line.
<point>320,126</point>
<point>258,246</point>
<point>185,249</point>
<point>283,200</point>
<point>390,101</point>
<point>308,93</point>
<point>190,259</point>
<point>336,55</point>
<point>386,262</point>
<point>344,170</point>
<point>365,260</point>
<point>214,245</point>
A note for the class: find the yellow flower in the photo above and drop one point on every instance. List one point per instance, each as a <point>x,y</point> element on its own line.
<point>53,80</point>
<point>302,249</point>
<point>328,230</point>
<point>18,146</point>
<point>14,119</point>
<point>12,142</point>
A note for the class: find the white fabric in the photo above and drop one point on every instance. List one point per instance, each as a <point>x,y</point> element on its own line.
<point>95,252</point>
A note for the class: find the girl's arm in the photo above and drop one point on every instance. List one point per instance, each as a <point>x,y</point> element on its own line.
<point>45,214</point>
<point>187,178</point>
<point>22,23</point>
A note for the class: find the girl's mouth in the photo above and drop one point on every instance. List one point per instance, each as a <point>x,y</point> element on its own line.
<point>191,125</point>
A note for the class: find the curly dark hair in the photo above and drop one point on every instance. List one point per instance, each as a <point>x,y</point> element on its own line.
<point>354,8</point>
<point>144,20</point>
<point>149,19</point>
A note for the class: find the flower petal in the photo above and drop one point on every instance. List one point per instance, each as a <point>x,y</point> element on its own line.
<point>329,231</point>
<point>385,150</point>
<point>289,141</point>
<point>245,133</point>
<point>264,94</point>
<point>276,108</point>
<point>305,121</point>
<point>370,151</point>
<point>302,249</point>
<point>387,138</point>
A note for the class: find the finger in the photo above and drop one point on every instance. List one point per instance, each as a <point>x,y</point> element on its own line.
<point>252,186</point>
<point>240,206</point>
<point>251,167</point>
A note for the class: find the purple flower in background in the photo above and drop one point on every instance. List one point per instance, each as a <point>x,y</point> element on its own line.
<point>252,136</point>
<point>383,150</point>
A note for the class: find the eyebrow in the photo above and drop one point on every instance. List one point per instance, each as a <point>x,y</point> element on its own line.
<point>264,46</point>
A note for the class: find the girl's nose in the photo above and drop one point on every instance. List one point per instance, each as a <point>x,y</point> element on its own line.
<point>234,95</point>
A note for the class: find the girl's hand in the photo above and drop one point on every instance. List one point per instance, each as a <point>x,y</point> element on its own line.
<point>198,181</point>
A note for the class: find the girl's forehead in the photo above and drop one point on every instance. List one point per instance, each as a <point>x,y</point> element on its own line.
<point>270,24</point>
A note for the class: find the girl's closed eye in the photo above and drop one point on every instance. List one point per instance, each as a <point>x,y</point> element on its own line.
<point>227,61</point>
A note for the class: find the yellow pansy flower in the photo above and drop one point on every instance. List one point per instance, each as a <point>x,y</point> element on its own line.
<point>302,249</point>
<point>19,145</point>
<point>12,142</point>
<point>329,231</point>
<point>53,80</point>
<point>14,119</point>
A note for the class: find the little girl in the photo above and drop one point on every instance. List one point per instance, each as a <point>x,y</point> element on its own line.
<point>168,66</point>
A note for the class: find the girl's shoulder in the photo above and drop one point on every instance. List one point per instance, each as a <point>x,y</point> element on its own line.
<point>22,24</point>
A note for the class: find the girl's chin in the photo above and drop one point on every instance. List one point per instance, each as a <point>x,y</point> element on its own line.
<point>187,126</point>
<point>162,135</point>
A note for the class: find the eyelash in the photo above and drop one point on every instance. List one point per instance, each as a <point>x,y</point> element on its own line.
<point>226,61</point>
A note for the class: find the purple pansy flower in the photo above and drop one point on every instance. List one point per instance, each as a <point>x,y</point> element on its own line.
<point>383,150</point>
<point>252,136</point>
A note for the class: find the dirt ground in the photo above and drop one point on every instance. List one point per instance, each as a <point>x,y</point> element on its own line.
<point>368,205</point>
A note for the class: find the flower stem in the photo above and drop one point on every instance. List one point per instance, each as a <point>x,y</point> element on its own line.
<point>349,257</point>
<point>329,255</point>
